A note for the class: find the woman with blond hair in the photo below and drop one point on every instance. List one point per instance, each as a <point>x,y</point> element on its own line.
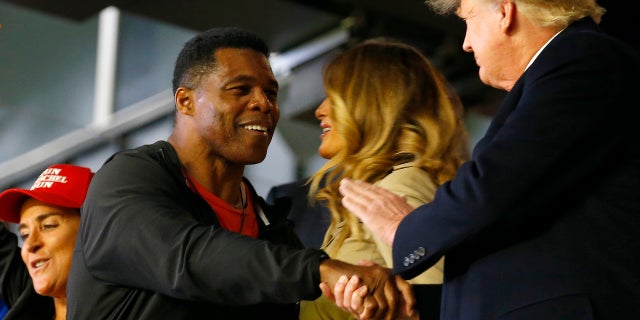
<point>389,118</point>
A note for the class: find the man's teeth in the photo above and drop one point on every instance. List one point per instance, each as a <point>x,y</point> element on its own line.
<point>326,130</point>
<point>39,264</point>
<point>256,128</point>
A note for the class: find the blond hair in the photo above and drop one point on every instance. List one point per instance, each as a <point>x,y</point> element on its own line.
<point>389,106</point>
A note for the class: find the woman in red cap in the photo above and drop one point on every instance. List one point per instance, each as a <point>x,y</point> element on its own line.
<point>33,276</point>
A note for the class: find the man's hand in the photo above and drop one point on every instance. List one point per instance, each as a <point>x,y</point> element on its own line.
<point>379,209</point>
<point>372,293</point>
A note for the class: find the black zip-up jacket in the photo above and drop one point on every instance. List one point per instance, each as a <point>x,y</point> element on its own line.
<point>150,248</point>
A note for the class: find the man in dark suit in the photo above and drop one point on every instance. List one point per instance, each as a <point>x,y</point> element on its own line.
<point>542,222</point>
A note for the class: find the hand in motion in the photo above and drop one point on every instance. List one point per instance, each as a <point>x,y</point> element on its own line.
<point>373,292</point>
<point>379,209</point>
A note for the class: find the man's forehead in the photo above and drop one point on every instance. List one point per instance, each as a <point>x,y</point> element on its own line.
<point>465,9</point>
<point>241,58</point>
<point>222,51</point>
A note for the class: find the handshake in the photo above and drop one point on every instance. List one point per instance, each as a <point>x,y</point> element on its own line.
<point>369,292</point>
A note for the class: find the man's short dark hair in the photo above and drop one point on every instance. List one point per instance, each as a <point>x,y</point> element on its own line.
<point>197,56</point>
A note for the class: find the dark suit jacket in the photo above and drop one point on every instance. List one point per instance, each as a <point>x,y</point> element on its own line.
<point>310,222</point>
<point>543,222</point>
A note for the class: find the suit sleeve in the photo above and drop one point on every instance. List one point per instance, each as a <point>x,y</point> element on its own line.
<point>555,129</point>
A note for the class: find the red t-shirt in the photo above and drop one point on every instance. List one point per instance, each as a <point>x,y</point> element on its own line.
<point>242,220</point>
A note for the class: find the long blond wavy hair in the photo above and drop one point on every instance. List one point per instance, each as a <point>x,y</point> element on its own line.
<point>390,106</point>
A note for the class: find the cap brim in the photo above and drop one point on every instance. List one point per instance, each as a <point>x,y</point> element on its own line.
<point>11,201</point>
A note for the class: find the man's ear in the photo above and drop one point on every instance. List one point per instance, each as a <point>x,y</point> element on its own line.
<point>509,11</point>
<point>183,98</point>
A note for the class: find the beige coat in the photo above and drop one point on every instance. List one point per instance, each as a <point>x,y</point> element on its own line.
<point>417,187</point>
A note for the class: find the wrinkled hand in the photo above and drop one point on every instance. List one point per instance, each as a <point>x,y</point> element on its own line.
<point>379,209</point>
<point>372,292</point>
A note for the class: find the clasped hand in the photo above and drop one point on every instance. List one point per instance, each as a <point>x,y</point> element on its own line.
<point>368,291</point>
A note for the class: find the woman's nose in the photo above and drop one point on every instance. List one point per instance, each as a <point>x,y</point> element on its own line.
<point>321,110</point>
<point>32,243</point>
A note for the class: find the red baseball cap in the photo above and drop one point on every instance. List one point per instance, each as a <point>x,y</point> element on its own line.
<point>62,185</point>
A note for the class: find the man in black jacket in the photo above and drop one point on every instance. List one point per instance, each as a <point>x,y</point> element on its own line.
<point>172,230</point>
